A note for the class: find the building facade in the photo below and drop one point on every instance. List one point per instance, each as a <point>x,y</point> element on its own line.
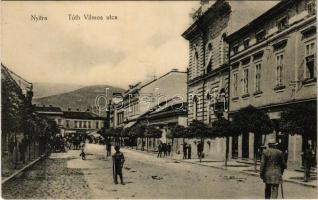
<point>273,66</point>
<point>160,103</point>
<point>208,69</point>
<point>72,122</point>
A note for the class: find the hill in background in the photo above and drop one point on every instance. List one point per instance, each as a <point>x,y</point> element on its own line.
<point>82,99</point>
<point>43,89</point>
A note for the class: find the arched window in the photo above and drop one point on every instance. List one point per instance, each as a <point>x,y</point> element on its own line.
<point>195,107</point>
<point>210,57</point>
<point>195,63</point>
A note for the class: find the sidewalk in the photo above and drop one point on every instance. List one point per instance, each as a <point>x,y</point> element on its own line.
<point>289,175</point>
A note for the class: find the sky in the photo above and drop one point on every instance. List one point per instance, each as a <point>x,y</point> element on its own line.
<point>144,41</point>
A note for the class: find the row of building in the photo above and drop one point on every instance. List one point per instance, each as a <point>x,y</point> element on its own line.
<point>269,63</point>
<point>72,122</point>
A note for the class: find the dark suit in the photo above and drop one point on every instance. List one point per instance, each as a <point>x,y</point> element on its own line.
<point>272,168</point>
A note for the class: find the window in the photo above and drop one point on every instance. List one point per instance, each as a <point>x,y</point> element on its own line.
<point>97,124</point>
<point>245,81</point>
<point>311,7</point>
<point>59,121</point>
<point>84,124</point>
<point>310,61</point>
<point>260,36</point>
<point>195,107</point>
<point>235,81</point>
<point>80,124</point>
<point>67,123</point>
<point>258,78</point>
<point>196,64</point>
<point>235,48</point>
<point>279,69</point>
<point>282,23</point>
<point>89,125</point>
<point>75,124</point>
<point>246,43</point>
<point>210,58</point>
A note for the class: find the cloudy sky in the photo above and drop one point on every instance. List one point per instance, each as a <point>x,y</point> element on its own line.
<point>143,41</point>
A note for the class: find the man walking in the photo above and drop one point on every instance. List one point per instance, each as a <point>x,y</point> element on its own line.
<point>108,149</point>
<point>272,169</point>
<point>307,161</point>
<point>200,149</point>
<point>118,163</point>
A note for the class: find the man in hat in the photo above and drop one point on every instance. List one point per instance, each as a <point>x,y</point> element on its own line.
<point>272,169</point>
<point>118,163</point>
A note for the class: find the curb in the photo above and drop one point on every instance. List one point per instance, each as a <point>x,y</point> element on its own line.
<point>247,173</point>
<point>224,168</point>
<point>24,168</point>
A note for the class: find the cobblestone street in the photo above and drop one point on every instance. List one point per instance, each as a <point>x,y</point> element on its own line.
<point>65,175</point>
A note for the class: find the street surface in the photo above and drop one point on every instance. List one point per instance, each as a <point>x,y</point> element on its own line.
<point>65,175</point>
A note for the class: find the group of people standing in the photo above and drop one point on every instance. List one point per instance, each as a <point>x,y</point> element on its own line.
<point>165,149</point>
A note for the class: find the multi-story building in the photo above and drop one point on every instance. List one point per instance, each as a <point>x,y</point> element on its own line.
<point>273,65</point>
<point>72,122</point>
<point>208,68</point>
<point>151,102</point>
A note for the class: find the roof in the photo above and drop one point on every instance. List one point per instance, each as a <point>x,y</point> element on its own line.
<point>81,115</point>
<point>140,85</point>
<point>238,15</point>
<point>47,109</point>
<point>261,19</point>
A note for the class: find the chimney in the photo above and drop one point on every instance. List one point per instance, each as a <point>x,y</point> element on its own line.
<point>204,5</point>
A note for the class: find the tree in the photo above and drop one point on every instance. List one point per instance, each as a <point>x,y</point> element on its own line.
<point>223,128</point>
<point>140,131</point>
<point>199,130</point>
<point>300,119</point>
<point>251,119</point>
<point>177,131</point>
<point>152,132</point>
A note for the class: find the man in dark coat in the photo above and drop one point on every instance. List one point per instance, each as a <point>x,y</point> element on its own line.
<point>169,149</point>
<point>118,163</point>
<point>184,148</point>
<point>307,161</point>
<point>189,151</point>
<point>159,150</point>
<point>272,169</point>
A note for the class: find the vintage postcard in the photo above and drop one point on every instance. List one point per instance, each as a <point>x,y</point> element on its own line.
<point>159,99</point>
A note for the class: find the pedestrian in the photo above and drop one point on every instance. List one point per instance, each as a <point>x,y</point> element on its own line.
<point>189,151</point>
<point>200,149</point>
<point>169,149</point>
<point>307,161</point>
<point>184,150</point>
<point>118,163</point>
<point>164,149</point>
<point>83,155</point>
<point>272,169</point>
<point>108,149</point>
<point>159,150</point>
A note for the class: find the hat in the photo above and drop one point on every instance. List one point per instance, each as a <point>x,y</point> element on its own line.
<point>272,141</point>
